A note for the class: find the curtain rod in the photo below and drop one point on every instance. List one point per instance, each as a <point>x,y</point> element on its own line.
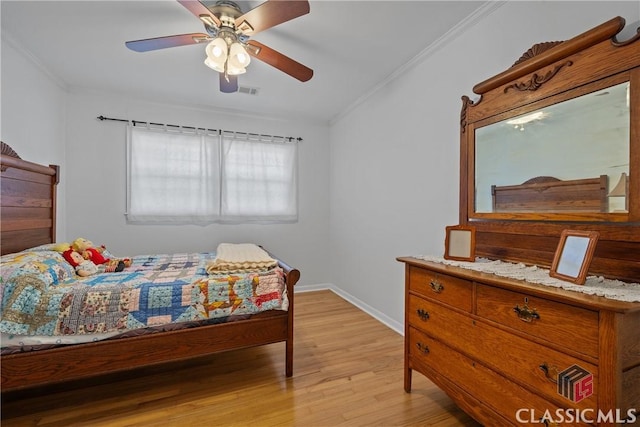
<point>134,122</point>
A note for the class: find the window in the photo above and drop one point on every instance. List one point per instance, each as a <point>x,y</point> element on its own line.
<point>258,179</point>
<point>199,176</point>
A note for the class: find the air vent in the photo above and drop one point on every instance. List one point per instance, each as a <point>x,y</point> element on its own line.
<point>248,90</point>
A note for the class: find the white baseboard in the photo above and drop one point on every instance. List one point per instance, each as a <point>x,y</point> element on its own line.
<point>310,288</point>
<point>376,314</point>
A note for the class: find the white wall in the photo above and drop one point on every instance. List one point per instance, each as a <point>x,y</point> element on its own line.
<point>387,188</point>
<point>33,114</point>
<point>395,155</point>
<point>96,184</point>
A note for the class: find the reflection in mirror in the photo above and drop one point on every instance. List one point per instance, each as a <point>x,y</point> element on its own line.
<point>561,145</point>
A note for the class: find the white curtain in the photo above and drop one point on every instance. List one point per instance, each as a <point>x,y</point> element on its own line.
<point>259,178</point>
<point>198,176</point>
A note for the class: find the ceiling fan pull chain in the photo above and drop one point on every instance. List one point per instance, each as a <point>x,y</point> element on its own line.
<point>226,63</point>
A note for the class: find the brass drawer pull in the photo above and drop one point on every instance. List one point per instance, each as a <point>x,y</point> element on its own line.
<point>550,372</point>
<point>526,314</point>
<point>423,314</point>
<point>422,348</point>
<point>548,423</point>
<point>436,287</point>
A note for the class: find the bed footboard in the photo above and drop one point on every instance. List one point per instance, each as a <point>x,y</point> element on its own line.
<point>80,361</point>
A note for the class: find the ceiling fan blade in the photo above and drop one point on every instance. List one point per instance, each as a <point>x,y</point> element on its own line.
<point>230,85</point>
<point>269,14</point>
<point>279,61</point>
<point>165,42</point>
<point>200,11</point>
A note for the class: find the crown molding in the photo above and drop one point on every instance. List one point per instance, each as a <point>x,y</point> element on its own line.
<point>29,56</point>
<point>487,8</point>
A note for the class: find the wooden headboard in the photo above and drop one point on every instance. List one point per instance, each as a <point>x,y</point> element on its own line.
<point>549,194</point>
<point>28,202</point>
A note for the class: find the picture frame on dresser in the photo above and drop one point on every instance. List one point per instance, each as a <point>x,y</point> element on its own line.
<point>460,243</point>
<point>573,255</point>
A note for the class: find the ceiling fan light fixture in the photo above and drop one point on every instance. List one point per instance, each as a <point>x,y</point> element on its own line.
<point>228,32</point>
<point>217,51</point>
<point>213,65</point>
<point>238,56</point>
<point>233,71</point>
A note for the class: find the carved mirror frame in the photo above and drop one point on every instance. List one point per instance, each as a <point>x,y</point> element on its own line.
<point>546,74</point>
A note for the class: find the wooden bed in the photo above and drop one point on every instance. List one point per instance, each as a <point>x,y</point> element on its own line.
<point>28,192</point>
<point>549,194</point>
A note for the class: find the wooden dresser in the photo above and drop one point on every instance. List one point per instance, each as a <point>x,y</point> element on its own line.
<point>499,347</point>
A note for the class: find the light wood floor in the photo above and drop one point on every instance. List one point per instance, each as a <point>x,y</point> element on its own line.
<point>348,371</point>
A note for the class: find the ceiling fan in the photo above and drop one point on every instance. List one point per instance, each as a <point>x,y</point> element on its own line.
<point>228,33</point>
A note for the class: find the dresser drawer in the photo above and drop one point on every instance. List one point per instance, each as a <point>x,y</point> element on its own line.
<point>564,325</point>
<point>439,321</point>
<point>538,367</point>
<point>532,364</point>
<point>434,359</point>
<point>441,287</point>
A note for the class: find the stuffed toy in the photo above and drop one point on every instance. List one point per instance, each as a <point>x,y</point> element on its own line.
<point>61,247</point>
<point>89,251</point>
<point>92,253</point>
<point>83,267</point>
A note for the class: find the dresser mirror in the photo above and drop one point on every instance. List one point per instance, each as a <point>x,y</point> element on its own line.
<point>553,143</point>
<point>580,138</point>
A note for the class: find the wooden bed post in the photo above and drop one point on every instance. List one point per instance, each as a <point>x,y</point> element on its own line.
<point>292,276</point>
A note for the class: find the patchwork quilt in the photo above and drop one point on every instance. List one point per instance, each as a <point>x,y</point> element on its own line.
<point>41,295</point>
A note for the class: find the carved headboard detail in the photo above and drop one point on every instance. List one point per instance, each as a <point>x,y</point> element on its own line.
<point>28,192</point>
<point>7,151</point>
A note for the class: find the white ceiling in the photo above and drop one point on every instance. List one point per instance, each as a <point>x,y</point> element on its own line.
<point>352,46</point>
